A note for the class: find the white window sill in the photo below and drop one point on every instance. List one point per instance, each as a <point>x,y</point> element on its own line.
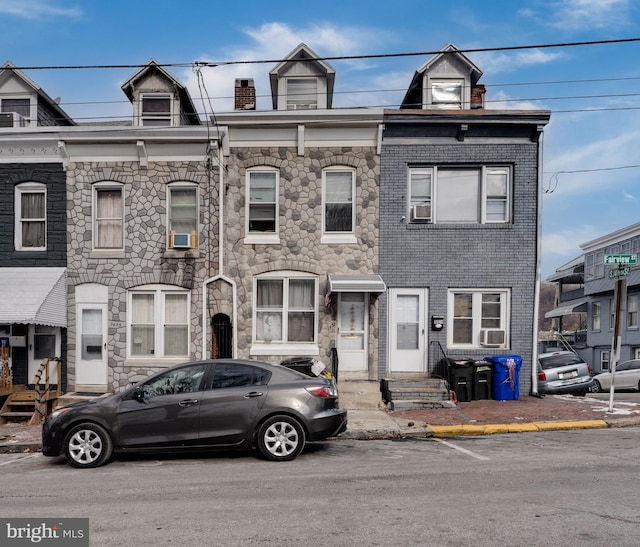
<point>284,349</point>
<point>107,253</point>
<point>254,239</point>
<point>329,239</point>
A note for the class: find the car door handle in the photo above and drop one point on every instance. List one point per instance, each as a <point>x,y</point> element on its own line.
<point>253,395</point>
<point>188,402</point>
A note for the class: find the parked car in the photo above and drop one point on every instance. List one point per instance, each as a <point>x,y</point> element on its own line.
<point>200,405</point>
<point>563,372</point>
<point>627,376</point>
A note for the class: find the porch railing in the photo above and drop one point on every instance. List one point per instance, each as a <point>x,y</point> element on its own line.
<point>6,379</point>
<point>45,392</point>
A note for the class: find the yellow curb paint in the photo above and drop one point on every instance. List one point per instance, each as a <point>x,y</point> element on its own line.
<point>490,429</point>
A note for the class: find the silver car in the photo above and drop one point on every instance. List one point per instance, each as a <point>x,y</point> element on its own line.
<point>627,376</point>
<point>563,372</point>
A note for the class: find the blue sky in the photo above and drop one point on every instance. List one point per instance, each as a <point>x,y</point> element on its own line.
<point>592,91</point>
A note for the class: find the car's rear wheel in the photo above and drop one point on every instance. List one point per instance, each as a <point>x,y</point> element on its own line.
<point>281,438</point>
<point>88,445</point>
<point>596,387</point>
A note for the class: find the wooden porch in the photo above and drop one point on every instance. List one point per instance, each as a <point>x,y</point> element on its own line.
<point>30,406</point>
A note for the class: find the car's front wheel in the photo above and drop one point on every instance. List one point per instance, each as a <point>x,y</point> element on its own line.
<point>596,387</point>
<point>281,438</point>
<point>88,445</point>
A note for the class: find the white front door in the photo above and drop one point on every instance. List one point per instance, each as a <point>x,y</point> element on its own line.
<point>353,319</point>
<point>91,357</point>
<point>44,342</point>
<point>407,333</point>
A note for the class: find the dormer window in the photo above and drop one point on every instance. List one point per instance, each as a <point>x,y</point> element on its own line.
<point>155,110</point>
<point>302,93</point>
<point>21,110</point>
<point>447,94</point>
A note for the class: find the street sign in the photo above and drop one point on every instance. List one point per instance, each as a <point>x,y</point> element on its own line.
<point>620,271</point>
<point>614,260</point>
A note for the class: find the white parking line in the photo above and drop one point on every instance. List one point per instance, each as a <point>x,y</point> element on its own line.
<point>18,459</point>
<point>463,450</point>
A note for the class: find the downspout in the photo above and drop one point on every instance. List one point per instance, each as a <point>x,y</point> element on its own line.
<point>536,297</point>
<point>220,275</point>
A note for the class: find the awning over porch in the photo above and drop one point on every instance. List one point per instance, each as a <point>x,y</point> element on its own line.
<point>356,283</point>
<point>572,306</point>
<point>33,296</point>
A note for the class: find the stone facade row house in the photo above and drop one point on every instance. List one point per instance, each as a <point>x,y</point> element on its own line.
<point>376,240</point>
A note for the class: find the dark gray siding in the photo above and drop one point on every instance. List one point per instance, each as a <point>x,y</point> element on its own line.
<point>438,257</point>
<point>52,175</point>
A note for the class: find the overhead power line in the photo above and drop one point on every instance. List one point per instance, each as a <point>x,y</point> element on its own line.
<point>339,57</point>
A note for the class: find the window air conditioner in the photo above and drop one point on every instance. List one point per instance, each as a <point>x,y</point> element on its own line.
<point>492,337</point>
<point>182,241</point>
<point>421,212</point>
<point>13,119</point>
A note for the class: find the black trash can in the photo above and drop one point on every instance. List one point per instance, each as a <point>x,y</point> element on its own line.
<point>461,379</point>
<point>301,364</point>
<point>482,373</point>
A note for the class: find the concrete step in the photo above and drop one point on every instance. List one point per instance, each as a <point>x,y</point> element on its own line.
<point>359,395</point>
<point>408,404</point>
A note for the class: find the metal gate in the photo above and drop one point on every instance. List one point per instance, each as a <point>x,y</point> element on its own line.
<point>222,333</point>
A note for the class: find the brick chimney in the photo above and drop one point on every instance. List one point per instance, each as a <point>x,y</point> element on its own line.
<point>245,94</point>
<point>477,96</point>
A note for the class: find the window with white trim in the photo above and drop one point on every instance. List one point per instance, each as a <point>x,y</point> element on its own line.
<point>632,311</point>
<point>338,191</point>
<point>302,93</point>
<point>20,108</point>
<point>156,109</point>
<point>459,195</point>
<point>285,305</point>
<point>447,94</point>
<point>31,217</point>
<point>182,211</point>
<point>158,322</point>
<point>596,312</point>
<point>262,192</point>
<point>108,216</point>
<point>478,318</point>
<point>612,314</point>
<point>604,360</point>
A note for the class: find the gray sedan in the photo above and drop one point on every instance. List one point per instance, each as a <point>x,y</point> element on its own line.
<point>627,376</point>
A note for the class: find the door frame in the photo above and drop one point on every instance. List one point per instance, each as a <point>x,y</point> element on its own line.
<point>365,337</point>
<point>423,294</point>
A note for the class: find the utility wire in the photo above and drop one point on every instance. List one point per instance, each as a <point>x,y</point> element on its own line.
<point>338,57</point>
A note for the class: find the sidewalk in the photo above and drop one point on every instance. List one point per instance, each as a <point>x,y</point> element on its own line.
<point>484,417</point>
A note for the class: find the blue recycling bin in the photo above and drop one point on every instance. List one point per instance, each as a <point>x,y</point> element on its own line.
<point>505,380</point>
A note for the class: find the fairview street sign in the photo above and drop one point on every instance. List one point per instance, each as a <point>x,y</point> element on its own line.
<point>614,260</point>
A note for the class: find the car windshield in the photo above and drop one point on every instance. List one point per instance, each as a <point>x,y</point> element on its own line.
<point>563,360</point>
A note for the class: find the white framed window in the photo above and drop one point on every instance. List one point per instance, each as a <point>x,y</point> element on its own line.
<point>20,108</point>
<point>182,215</point>
<point>632,311</point>
<point>262,206</point>
<point>156,109</point>
<point>459,195</point>
<point>302,93</point>
<point>478,318</point>
<point>604,360</point>
<point>108,216</point>
<point>31,217</point>
<point>612,313</point>
<point>338,211</point>
<point>158,322</point>
<point>447,94</point>
<point>596,313</point>
<point>285,313</point>
<point>636,353</point>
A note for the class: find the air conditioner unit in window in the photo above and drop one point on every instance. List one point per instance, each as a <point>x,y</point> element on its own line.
<point>492,337</point>
<point>182,241</point>
<point>421,212</point>
<point>13,119</point>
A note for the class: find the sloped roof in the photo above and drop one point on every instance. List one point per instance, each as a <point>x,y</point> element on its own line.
<point>9,70</point>
<point>33,296</point>
<point>302,53</point>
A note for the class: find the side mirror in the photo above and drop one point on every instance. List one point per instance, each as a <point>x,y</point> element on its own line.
<point>138,395</point>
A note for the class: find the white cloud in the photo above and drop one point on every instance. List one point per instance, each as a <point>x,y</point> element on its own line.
<point>36,9</point>
<point>502,101</point>
<point>503,61</point>
<point>628,196</point>
<point>272,42</point>
<point>561,246</point>
<point>589,14</point>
